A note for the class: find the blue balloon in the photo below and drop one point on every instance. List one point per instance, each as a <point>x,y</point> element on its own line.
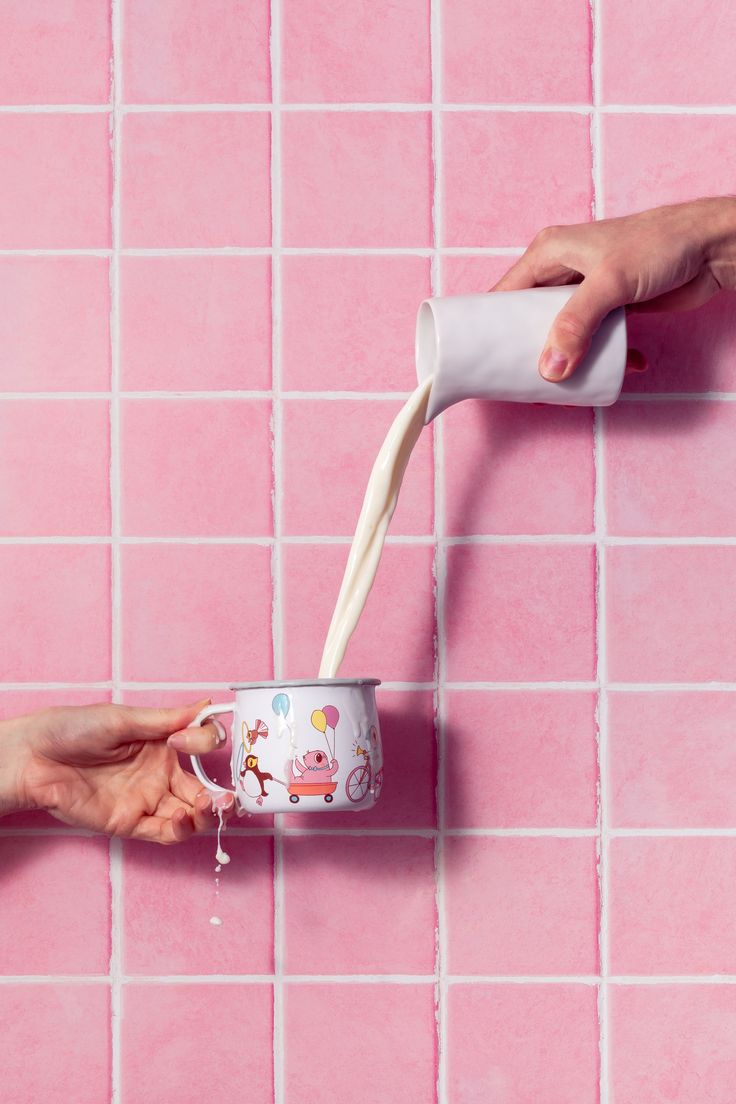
<point>281,705</point>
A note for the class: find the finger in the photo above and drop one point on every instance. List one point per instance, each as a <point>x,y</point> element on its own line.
<point>156,724</point>
<point>188,789</point>
<point>166,830</point>
<point>693,294</point>
<point>636,362</point>
<point>197,741</point>
<point>534,269</point>
<point>572,330</point>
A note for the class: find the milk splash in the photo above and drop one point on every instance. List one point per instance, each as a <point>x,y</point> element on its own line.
<point>379,503</point>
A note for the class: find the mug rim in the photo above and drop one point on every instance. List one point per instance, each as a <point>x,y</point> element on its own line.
<point>285,685</point>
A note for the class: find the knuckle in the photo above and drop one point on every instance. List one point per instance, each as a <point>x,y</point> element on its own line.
<point>546,236</point>
<point>571,325</point>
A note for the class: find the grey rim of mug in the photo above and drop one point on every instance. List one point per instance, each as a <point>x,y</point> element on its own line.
<point>305,682</point>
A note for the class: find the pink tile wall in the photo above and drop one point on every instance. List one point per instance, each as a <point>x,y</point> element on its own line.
<point>207,323</point>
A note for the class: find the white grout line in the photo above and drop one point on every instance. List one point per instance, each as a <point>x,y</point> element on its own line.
<point>490,687</point>
<point>429,833</point>
<point>601,620</point>
<point>116,848</point>
<point>436,61</point>
<point>398,539</point>
<point>277,567</point>
<point>378,106</point>
<point>409,687</point>
<point>319,396</point>
<point>372,979</point>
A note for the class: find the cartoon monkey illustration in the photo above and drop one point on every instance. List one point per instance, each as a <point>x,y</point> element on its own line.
<point>251,767</point>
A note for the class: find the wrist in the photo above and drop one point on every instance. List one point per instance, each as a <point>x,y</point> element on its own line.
<point>721,247</point>
<point>14,757</point>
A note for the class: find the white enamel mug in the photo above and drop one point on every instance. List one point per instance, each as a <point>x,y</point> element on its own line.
<point>488,347</point>
<point>301,746</point>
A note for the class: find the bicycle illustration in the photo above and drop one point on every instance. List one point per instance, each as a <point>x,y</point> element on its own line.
<point>358,782</point>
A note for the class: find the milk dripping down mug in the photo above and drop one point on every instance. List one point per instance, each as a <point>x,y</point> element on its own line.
<point>488,347</point>
<point>301,746</point>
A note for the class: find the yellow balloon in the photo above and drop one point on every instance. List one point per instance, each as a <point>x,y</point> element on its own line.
<point>319,720</point>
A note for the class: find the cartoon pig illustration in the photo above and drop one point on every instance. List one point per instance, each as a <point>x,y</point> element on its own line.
<point>315,767</point>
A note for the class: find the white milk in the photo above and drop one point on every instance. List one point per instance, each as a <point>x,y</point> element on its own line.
<point>379,503</point>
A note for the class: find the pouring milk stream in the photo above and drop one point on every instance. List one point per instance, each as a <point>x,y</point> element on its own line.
<point>475,346</point>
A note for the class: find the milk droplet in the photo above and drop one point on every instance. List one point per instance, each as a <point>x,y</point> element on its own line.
<point>221,856</point>
<point>216,921</point>
<point>218,868</point>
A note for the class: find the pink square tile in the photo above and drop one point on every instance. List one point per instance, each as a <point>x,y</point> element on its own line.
<point>495,454</point>
<point>516,760</point>
<point>670,469</point>
<point>500,51</point>
<point>55,53</point>
<point>195,323</point>
<point>43,930</point>
<point>361,52</point>
<point>171,893</point>
<point>56,181</point>
<point>341,185</point>
<point>55,324</point>
<point>196,468</point>
<point>671,613</point>
<point>348,321</point>
<point>196,613</point>
<point>183,51</point>
<point>368,1062</point>
<point>643,164</point>
<point>18,703</point>
<point>196,179</point>
<point>522,1043</point>
<point>496,194</point>
<point>672,1043</point>
<point>216,763</point>
<point>395,637</point>
<point>637,67</point>
<point>672,760</point>
<point>538,896</point>
<point>409,756</point>
<point>55,1035</point>
<point>56,614</point>
<point>686,350</point>
<point>329,449</point>
<point>55,478</point>
<point>346,911</point>
<point>671,902</point>
<point>196,1060</point>
<point>470,273</point>
<point>520,613</point>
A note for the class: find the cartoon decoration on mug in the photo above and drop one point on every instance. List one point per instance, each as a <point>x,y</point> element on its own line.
<point>359,780</point>
<point>312,773</point>
<point>248,762</point>
<point>313,776</point>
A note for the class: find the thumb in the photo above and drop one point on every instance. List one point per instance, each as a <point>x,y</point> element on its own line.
<point>156,724</point>
<point>572,330</point>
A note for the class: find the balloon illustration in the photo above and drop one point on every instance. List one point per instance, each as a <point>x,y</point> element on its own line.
<point>281,705</point>
<point>331,715</point>
<point>319,721</point>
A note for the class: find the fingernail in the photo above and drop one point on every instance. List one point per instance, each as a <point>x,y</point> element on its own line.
<point>177,741</point>
<point>553,365</point>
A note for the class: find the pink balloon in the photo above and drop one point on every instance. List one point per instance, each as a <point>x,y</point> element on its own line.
<point>332,715</point>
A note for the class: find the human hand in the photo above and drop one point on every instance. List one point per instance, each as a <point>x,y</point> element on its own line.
<point>109,768</point>
<point>668,258</point>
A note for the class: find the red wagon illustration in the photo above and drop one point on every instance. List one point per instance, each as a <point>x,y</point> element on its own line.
<point>311,789</point>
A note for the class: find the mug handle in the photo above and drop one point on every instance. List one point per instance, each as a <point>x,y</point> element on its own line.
<point>207,715</point>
